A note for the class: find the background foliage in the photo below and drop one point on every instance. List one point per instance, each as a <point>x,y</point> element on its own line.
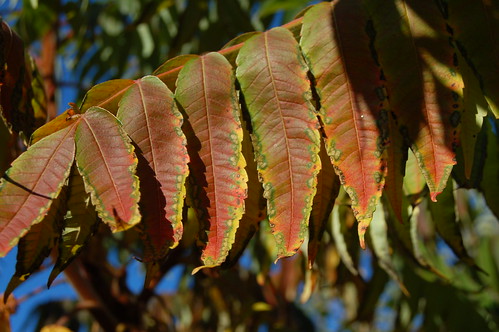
<point>414,275</point>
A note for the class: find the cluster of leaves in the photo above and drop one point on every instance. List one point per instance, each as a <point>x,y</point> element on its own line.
<point>271,127</point>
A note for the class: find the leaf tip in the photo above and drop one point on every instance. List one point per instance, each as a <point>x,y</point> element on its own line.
<point>362,228</point>
<point>434,195</point>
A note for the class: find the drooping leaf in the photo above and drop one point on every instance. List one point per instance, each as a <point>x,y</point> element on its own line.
<point>444,217</point>
<point>254,205</point>
<point>151,119</point>
<point>36,245</point>
<point>396,159</point>
<point>490,179</point>
<point>475,109</point>
<point>106,95</point>
<point>414,183</point>
<point>328,187</point>
<point>422,82</point>
<point>353,107</point>
<point>106,160</point>
<point>381,247</point>
<point>79,224</point>
<point>206,91</point>
<point>338,231</point>
<point>273,79</point>
<point>29,187</point>
<point>475,27</point>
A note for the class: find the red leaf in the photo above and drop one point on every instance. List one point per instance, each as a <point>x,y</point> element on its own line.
<point>274,83</point>
<point>335,43</point>
<point>29,187</point>
<point>151,119</point>
<point>206,90</point>
<point>107,163</point>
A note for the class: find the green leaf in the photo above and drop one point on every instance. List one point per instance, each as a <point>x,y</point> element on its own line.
<point>273,79</point>
<point>79,224</point>
<point>490,179</point>
<point>414,183</point>
<point>353,111</point>
<point>29,187</point>
<point>150,117</point>
<point>379,238</point>
<point>106,95</point>
<point>475,26</point>
<point>475,109</point>
<point>206,91</point>
<point>444,217</point>
<point>422,82</point>
<point>106,160</point>
<point>37,244</point>
<point>338,230</point>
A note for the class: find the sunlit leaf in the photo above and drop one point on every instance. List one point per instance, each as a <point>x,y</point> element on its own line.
<point>168,72</point>
<point>151,119</point>
<point>422,82</point>
<point>206,91</point>
<point>353,111</point>
<point>78,225</point>
<point>29,187</point>
<point>106,95</point>
<point>62,121</point>
<point>106,160</point>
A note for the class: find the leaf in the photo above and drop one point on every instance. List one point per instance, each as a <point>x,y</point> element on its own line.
<point>444,218</point>
<point>15,83</point>
<point>338,231</point>
<point>29,187</point>
<point>475,109</point>
<point>328,187</point>
<point>414,183</point>
<point>475,27</point>
<point>254,205</point>
<point>381,247</point>
<point>490,179</point>
<point>353,107</point>
<point>151,119</point>
<point>106,95</point>
<point>168,72</point>
<point>79,224</point>
<point>62,121</point>
<point>422,82</point>
<point>396,159</point>
<point>106,160</point>
<point>206,91</point>
<point>36,245</point>
<point>273,79</point>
